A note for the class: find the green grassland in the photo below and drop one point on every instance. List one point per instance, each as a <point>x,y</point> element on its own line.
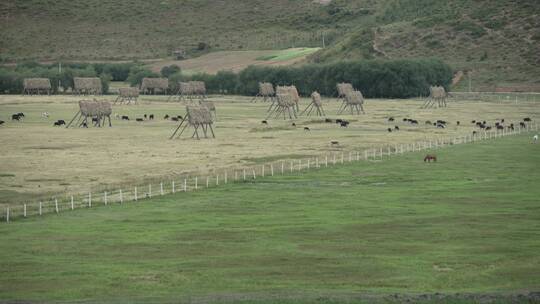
<point>469,223</point>
<point>288,54</point>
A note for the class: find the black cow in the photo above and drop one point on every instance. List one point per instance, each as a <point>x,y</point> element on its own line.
<point>442,122</point>
<point>174,118</point>
<point>264,122</point>
<point>522,125</point>
<point>59,122</point>
<point>151,117</point>
<point>396,128</point>
<point>405,119</point>
<point>21,114</point>
<point>391,119</point>
<point>306,129</point>
<point>414,121</point>
<point>179,116</point>
<point>2,122</point>
<point>85,125</point>
<point>344,124</point>
<point>328,120</point>
<point>500,127</point>
<point>474,132</point>
<point>166,116</point>
<point>145,116</point>
<point>293,124</point>
<point>124,117</point>
<point>338,121</point>
<point>139,119</point>
<point>16,117</point>
<point>389,129</point>
<point>441,126</point>
<point>528,119</point>
<point>457,122</point>
<point>334,142</point>
<point>488,128</point>
<point>473,122</point>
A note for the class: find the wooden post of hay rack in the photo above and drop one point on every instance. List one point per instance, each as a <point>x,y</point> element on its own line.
<point>87,86</point>
<point>353,101</point>
<point>437,97</point>
<point>266,91</point>
<point>197,118</point>
<point>154,85</point>
<point>36,86</point>
<point>127,95</point>
<point>316,104</point>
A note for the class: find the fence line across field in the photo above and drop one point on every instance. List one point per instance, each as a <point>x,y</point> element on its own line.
<point>134,194</point>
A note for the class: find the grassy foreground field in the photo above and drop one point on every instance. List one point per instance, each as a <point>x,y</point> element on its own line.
<point>469,223</point>
<point>38,161</point>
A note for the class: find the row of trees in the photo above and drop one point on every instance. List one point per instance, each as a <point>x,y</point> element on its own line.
<point>376,79</point>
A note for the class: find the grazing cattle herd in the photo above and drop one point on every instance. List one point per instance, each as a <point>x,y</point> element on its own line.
<point>499,124</point>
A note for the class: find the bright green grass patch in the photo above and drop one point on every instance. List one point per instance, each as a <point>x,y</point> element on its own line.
<point>468,223</point>
<point>288,54</point>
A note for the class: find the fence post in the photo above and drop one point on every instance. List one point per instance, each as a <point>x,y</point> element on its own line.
<point>24,213</point>
<point>350,156</point>
<point>381,153</point>
<point>135,193</point>
<point>150,190</point>
<point>196,183</point>
<point>244,174</point>
<point>56,205</point>
<point>217,179</point>
<point>185,184</point>
<point>401,148</point>
<point>365,155</point>
<point>7,214</point>
<point>292,166</point>
<point>121,197</point>
<point>299,165</point>
<point>72,205</point>
<point>308,164</point>
<point>254,174</point>
<point>282,168</point>
<point>326,161</point>
<point>40,208</point>
<point>225,177</point>
<point>357,156</point>
<point>342,157</point>
<point>207,182</point>
<point>334,160</point>
<point>272,169</point>
<point>235,175</point>
<point>89,199</point>
<point>172,186</point>
<point>105,197</point>
<point>161,188</point>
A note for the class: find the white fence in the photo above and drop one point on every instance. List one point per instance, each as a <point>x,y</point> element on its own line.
<point>497,96</point>
<point>136,194</point>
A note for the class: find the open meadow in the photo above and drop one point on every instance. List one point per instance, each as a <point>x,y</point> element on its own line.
<point>464,229</point>
<point>39,160</point>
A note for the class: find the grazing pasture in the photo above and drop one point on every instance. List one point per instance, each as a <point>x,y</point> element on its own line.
<point>469,223</point>
<point>38,159</point>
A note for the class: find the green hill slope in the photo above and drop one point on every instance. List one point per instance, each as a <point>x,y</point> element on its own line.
<point>497,39</point>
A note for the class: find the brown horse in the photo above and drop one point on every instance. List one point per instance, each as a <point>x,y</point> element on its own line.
<point>430,158</point>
